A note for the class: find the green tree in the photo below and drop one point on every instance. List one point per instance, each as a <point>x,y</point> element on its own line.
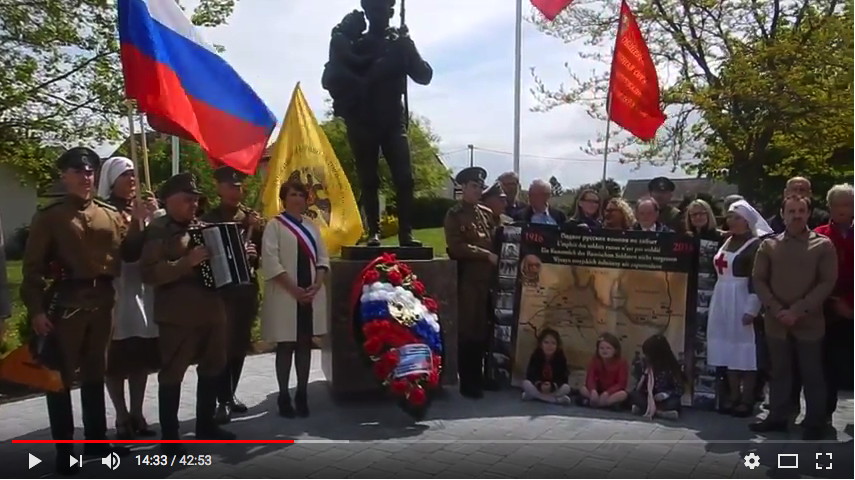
<point>756,91</point>
<point>428,172</point>
<point>61,81</point>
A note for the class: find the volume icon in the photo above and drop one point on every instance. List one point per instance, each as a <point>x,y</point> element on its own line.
<point>112,461</point>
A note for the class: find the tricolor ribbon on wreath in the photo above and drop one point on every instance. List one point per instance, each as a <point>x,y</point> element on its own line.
<point>397,325</point>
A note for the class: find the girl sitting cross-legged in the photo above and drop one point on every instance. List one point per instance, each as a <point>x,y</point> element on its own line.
<point>607,374</point>
<point>547,373</point>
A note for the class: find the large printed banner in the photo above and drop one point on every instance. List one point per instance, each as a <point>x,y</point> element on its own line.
<point>632,284</point>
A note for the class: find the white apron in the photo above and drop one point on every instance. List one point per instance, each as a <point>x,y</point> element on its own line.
<point>730,343</point>
<point>133,315</point>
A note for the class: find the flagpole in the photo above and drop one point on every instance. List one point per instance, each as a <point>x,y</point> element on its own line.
<point>517,85</point>
<point>608,106</point>
<point>175,150</point>
<point>144,145</point>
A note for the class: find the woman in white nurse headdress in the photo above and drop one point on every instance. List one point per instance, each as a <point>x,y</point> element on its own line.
<point>734,307</point>
<point>133,352</point>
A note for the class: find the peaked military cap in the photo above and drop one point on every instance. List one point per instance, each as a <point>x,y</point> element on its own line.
<point>471,174</point>
<point>79,158</point>
<point>184,182</point>
<point>661,184</point>
<point>495,190</point>
<point>229,175</point>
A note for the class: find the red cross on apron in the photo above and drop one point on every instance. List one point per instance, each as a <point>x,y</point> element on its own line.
<point>720,263</point>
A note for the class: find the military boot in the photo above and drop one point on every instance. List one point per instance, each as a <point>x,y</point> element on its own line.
<point>405,221</point>
<point>168,399</point>
<point>95,422</point>
<point>206,405</point>
<point>62,428</point>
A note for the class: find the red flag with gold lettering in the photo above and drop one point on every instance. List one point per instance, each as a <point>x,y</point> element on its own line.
<point>551,8</point>
<point>634,86</point>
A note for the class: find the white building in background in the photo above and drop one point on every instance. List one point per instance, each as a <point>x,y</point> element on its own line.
<point>18,202</point>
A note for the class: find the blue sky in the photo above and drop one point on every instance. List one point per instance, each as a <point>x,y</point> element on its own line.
<point>274,44</point>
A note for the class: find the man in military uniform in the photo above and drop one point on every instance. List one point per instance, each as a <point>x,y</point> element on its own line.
<point>469,229</point>
<point>191,317</point>
<point>662,190</point>
<point>241,301</point>
<point>495,199</point>
<point>72,255</point>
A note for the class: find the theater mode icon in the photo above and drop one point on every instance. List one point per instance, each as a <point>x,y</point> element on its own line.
<point>788,460</point>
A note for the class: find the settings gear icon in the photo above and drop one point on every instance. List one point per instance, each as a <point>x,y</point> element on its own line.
<point>752,460</point>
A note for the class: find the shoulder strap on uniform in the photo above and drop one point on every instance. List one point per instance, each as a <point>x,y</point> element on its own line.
<point>485,209</point>
<point>104,204</point>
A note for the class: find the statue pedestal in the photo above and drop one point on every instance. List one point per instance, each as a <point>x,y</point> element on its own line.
<point>343,363</point>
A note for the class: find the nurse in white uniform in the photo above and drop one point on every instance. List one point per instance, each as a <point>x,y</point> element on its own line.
<point>734,307</point>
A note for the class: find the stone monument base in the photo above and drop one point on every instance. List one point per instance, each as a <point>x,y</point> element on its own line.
<point>343,363</point>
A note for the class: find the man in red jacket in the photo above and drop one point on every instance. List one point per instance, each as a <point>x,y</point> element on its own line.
<point>838,309</point>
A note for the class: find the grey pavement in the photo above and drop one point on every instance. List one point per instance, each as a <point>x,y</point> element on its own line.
<point>497,437</point>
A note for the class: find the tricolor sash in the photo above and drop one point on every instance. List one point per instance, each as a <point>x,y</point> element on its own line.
<point>304,238</point>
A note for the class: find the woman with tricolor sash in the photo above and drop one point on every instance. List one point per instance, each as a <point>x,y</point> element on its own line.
<point>294,262</point>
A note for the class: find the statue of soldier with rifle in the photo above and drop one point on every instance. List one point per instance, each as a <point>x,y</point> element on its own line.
<point>367,77</point>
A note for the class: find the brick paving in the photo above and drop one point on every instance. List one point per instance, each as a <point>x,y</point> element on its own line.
<point>497,437</point>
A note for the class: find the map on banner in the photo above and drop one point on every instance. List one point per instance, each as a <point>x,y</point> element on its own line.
<point>632,284</point>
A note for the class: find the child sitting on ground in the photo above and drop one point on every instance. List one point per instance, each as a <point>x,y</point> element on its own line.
<point>661,385</point>
<point>606,378</point>
<point>547,374</point>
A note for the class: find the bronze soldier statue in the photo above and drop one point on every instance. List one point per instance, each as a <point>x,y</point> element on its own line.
<point>191,317</point>
<point>469,229</point>
<point>72,255</point>
<point>372,110</point>
<point>241,301</point>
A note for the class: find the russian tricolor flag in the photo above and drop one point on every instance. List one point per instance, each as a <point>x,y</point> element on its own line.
<point>186,88</point>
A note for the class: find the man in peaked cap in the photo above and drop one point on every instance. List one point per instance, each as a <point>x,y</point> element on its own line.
<point>495,199</point>
<point>70,260</point>
<point>662,190</point>
<point>469,229</point>
<point>191,317</point>
<point>241,301</point>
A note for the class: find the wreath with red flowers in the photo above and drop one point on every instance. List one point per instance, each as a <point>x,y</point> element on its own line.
<point>397,325</point>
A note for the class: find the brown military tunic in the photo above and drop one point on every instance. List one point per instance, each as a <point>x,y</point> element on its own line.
<point>241,301</point>
<point>72,255</point>
<point>796,273</point>
<point>469,230</point>
<point>191,317</point>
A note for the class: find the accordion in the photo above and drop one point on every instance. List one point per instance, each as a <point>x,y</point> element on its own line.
<point>227,264</point>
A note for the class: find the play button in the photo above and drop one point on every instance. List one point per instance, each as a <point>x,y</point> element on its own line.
<point>34,460</point>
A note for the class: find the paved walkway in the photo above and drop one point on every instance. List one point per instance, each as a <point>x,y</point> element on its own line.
<point>498,437</point>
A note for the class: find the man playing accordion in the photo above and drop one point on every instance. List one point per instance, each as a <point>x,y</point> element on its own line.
<point>191,317</point>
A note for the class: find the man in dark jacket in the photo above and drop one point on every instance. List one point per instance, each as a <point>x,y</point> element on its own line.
<point>538,210</point>
<point>801,187</point>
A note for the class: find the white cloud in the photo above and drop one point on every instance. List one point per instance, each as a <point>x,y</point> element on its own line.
<point>274,44</point>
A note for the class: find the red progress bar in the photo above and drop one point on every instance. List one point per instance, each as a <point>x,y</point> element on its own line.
<point>149,442</point>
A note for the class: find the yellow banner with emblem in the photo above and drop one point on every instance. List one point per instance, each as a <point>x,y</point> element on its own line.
<point>303,153</point>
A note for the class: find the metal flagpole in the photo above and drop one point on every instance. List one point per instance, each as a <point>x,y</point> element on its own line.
<point>144,144</point>
<point>517,85</point>
<point>175,147</point>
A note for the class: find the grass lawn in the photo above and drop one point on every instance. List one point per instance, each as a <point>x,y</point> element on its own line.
<point>431,237</point>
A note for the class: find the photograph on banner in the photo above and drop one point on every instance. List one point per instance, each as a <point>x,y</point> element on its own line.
<point>632,284</point>
<point>704,389</point>
<point>498,363</point>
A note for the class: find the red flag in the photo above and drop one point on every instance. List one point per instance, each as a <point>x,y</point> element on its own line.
<point>634,87</point>
<point>551,8</point>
